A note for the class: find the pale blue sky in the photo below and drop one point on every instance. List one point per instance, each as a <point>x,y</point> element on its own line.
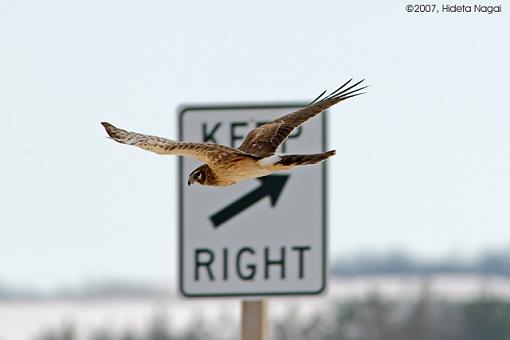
<point>423,159</point>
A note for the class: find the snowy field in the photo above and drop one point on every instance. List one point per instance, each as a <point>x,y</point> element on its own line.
<point>24,320</point>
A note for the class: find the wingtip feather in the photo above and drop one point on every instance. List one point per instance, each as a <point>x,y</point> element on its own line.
<point>113,132</point>
<point>109,128</point>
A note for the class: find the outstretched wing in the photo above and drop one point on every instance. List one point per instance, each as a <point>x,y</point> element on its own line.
<point>264,140</point>
<point>212,154</point>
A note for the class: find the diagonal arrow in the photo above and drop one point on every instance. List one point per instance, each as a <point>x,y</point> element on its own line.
<point>271,186</point>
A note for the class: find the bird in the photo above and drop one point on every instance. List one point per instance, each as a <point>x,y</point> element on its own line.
<point>255,157</point>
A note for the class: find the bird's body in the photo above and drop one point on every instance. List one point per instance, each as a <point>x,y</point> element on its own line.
<point>237,169</point>
<point>255,157</point>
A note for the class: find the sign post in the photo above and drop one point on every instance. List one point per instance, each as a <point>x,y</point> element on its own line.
<point>257,238</point>
<point>254,324</point>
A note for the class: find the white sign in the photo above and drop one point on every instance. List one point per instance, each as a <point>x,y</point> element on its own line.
<point>265,236</point>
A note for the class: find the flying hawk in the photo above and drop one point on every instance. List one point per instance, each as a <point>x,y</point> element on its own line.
<point>255,157</point>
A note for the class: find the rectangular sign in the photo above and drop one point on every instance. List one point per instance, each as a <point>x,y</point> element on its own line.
<point>259,237</point>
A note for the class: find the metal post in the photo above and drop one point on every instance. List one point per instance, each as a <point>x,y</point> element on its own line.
<point>254,320</point>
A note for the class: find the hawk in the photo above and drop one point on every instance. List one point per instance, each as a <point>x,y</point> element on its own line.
<point>256,157</point>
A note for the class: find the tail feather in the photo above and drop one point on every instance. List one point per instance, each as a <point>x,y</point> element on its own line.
<point>296,160</point>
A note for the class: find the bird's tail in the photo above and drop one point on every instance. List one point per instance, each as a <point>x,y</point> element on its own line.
<point>290,161</point>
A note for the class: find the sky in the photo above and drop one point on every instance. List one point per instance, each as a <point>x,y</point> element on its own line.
<point>423,158</point>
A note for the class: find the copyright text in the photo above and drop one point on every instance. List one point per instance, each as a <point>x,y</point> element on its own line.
<point>433,8</point>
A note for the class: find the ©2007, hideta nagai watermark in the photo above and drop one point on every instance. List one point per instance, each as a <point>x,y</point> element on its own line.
<point>453,8</point>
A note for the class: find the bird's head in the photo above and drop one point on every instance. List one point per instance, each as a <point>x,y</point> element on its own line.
<point>198,175</point>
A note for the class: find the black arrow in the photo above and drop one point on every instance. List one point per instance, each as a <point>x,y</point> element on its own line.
<point>271,186</point>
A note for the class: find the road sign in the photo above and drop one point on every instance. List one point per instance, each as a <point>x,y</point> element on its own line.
<point>259,237</point>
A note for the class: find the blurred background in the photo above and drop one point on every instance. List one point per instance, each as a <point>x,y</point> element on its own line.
<point>419,242</point>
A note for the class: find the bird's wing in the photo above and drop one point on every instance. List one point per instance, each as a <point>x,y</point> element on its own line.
<point>212,154</point>
<point>265,139</point>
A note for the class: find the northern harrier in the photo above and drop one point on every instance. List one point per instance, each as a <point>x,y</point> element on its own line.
<point>255,157</point>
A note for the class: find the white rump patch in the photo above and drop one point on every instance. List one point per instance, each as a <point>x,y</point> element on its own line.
<point>271,160</point>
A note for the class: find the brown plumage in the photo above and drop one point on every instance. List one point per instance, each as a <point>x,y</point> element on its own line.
<point>255,157</point>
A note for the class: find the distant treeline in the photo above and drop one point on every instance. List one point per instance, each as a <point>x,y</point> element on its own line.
<point>397,263</point>
<point>493,263</point>
<point>371,318</point>
<point>99,290</point>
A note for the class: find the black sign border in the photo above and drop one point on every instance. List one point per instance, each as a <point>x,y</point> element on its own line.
<point>180,184</point>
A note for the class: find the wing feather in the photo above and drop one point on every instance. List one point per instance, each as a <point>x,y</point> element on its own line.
<point>212,154</point>
<point>265,139</point>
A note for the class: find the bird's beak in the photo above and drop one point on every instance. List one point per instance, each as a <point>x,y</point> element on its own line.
<point>190,182</point>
